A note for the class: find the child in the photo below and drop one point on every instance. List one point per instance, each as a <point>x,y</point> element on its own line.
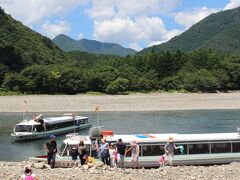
<point>162,160</point>
<point>113,155</point>
<point>28,175</point>
<point>89,159</point>
<point>74,152</point>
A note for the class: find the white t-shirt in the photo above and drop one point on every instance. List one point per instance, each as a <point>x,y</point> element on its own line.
<point>111,153</point>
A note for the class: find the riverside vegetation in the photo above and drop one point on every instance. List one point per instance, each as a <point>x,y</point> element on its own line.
<point>31,63</point>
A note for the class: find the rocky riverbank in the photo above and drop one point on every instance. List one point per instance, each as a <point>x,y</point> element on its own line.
<point>13,170</point>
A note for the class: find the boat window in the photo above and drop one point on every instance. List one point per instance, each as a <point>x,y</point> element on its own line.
<point>236,147</point>
<point>220,147</point>
<point>152,150</point>
<point>199,148</point>
<point>62,148</point>
<point>23,128</point>
<point>82,121</point>
<point>179,151</point>
<point>38,128</point>
<point>59,125</point>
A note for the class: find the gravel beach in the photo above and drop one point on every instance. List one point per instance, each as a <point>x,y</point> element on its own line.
<point>133,102</point>
<point>13,170</point>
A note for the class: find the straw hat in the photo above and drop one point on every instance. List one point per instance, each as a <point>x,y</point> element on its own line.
<point>133,143</point>
<point>170,139</point>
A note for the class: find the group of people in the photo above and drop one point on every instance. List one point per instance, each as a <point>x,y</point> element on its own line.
<point>111,154</point>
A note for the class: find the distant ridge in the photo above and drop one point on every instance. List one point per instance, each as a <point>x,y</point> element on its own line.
<point>92,46</point>
<point>219,31</point>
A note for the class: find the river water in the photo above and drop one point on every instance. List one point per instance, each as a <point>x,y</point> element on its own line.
<point>190,121</point>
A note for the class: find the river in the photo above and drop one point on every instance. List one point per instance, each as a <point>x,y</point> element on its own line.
<point>190,121</point>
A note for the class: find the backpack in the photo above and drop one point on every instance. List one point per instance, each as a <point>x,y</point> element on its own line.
<point>29,177</point>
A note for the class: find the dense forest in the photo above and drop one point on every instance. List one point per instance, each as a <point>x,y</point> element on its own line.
<point>200,70</point>
<point>31,63</point>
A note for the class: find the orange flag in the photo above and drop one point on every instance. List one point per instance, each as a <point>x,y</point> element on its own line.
<point>97,109</point>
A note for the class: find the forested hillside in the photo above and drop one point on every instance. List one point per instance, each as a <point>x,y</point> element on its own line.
<point>31,63</point>
<point>21,47</point>
<point>68,44</point>
<point>219,32</point>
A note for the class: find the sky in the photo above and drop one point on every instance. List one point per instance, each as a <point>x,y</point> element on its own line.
<point>135,24</point>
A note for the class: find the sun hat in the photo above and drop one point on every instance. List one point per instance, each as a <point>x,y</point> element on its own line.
<point>170,139</point>
<point>133,143</point>
<point>52,136</point>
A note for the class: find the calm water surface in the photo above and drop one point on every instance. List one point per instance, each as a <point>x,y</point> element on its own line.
<point>191,121</point>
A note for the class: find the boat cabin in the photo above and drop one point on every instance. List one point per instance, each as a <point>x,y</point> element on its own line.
<point>40,124</point>
<point>153,144</point>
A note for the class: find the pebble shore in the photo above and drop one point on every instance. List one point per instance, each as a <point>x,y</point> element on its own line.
<point>13,170</point>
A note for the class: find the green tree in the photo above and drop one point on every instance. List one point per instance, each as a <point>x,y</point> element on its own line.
<point>202,80</point>
<point>118,86</point>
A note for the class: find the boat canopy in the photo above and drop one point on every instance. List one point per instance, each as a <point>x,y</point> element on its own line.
<point>56,120</point>
<point>75,139</point>
<point>152,138</point>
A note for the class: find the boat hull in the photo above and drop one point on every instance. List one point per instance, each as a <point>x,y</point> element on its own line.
<point>46,134</point>
<point>152,161</point>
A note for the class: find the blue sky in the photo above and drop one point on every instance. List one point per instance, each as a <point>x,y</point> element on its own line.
<point>131,23</point>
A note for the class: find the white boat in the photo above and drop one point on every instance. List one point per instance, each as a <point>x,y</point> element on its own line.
<point>40,127</point>
<point>199,149</point>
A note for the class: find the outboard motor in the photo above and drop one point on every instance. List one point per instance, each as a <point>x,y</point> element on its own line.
<point>95,132</point>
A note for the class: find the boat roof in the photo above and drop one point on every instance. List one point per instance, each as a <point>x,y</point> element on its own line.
<point>28,122</point>
<point>75,139</point>
<point>148,138</point>
<point>163,138</point>
<point>52,120</point>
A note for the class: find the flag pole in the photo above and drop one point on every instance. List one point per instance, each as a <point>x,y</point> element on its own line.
<point>98,120</point>
<point>98,123</point>
<point>25,109</point>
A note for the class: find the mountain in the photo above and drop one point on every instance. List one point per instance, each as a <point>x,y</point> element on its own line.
<point>20,46</point>
<point>219,31</point>
<point>68,44</point>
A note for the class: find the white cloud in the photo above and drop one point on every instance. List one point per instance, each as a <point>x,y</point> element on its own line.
<point>188,18</point>
<point>54,29</point>
<point>80,35</point>
<point>33,11</point>
<point>107,9</point>
<point>131,22</point>
<point>146,29</point>
<point>232,4</point>
<point>135,46</point>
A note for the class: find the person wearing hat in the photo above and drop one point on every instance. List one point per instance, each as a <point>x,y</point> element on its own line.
<point>28,175</point>
<point>169,149</point>
<point>135,153</point>
<point>51,148</point>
